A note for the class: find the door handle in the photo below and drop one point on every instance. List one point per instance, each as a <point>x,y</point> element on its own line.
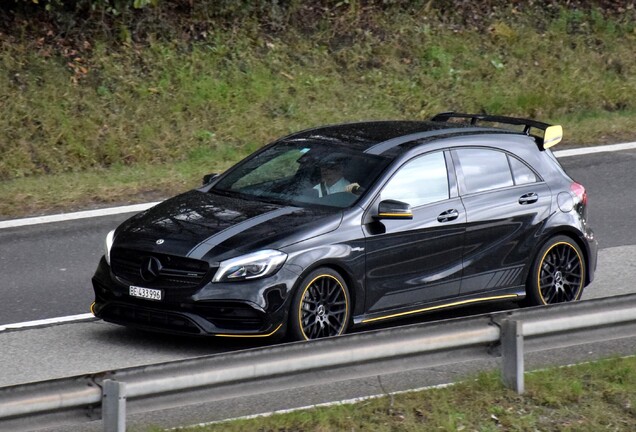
<point>448,216</point>
<point>528,198</point>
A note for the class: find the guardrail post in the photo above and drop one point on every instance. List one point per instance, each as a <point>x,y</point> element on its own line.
<point>512,354</point>
<point>114,406</point>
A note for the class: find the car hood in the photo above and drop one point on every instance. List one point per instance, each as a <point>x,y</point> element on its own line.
<point>204,225</point>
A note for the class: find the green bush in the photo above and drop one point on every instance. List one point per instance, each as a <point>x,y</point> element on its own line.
<point>182,78</point>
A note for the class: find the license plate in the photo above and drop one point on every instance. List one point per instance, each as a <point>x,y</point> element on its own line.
<point>145,293</point>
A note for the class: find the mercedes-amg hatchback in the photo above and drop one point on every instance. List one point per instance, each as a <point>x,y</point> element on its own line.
<point>352,224</point>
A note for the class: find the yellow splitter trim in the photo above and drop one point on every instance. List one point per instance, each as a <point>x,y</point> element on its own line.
<point>250,335</point>
<point>443,306</point>
<point>225,335</point>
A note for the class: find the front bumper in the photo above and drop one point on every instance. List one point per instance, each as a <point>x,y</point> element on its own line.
<point>255,308</point>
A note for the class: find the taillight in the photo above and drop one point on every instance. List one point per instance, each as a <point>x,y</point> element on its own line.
<point>580,192</point>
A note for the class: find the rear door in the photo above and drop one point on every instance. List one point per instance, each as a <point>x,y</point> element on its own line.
<point>506,203</point>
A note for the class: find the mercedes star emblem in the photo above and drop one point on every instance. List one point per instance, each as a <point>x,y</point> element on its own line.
<point>150,268</point>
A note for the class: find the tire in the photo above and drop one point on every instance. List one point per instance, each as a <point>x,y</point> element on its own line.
<point>557,274</point>
<point>320,307</point>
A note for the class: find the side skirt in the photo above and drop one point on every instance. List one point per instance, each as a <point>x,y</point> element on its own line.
<point>515,293</point>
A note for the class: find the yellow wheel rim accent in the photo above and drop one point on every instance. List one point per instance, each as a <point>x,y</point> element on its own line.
<point>577,293</point>
<point>302,297</point>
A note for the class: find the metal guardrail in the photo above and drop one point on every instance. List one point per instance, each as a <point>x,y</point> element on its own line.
<point>109,395</point>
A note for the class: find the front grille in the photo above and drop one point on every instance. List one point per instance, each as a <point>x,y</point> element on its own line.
<point>173,271</point>
<point>150,318</point>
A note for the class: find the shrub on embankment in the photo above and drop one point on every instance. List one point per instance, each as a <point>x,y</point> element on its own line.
<point>92,84</point>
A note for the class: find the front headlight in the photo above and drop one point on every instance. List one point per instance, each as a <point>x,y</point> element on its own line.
<point>251,266</point>
<point>108,245</point>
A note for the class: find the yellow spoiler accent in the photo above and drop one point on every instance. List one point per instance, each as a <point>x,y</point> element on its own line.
<point>552,136</point>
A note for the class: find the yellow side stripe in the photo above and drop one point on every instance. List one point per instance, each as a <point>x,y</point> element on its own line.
<point>250,335</point>
<point>432,308</point>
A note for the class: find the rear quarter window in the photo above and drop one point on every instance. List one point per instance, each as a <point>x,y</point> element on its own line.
<point>521,173</point>
<point>482,169</point>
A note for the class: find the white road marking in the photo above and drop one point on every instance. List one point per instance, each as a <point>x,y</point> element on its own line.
<point>48,321</point>
<point>140,207</point>
<point>76,215</point>
<point>597,149</point>
<point>605,284</point>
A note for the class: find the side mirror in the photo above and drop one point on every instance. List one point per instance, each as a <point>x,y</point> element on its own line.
<point>392,209</point>
<point>207,179</point>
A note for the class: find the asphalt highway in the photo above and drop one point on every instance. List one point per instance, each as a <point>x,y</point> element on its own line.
<point>46,269</point>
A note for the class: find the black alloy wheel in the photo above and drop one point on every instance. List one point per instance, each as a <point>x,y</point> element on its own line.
<point>320,307</point>
<point>558,273</point>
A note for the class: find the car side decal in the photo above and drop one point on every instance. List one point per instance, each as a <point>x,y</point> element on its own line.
<point>203,247</point>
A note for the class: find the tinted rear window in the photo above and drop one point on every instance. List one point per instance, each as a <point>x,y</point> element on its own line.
<point>483,169</point>
<point>521,172</point>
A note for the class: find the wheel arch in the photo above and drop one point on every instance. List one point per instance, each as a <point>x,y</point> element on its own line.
<point>345,274</point>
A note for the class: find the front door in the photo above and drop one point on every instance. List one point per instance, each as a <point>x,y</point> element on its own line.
<point>410,262</point>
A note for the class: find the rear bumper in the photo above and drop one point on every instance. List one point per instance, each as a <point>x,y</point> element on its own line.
<point>592,254</point>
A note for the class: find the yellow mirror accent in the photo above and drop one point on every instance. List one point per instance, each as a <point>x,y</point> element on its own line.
<point>396,215</point>
<point>552,136</point>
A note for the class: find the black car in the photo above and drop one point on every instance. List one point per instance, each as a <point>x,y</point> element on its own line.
<point>352,224</point>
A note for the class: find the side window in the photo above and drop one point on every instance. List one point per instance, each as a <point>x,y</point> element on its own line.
<point>521,173</point>
<point>420,181</point>
<point>483,169</point>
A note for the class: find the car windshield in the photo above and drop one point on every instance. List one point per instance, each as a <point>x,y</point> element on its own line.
<point>303,173</point>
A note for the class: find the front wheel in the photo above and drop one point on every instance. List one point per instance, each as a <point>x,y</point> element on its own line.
<point>557,274</point>
<point>321,306</point>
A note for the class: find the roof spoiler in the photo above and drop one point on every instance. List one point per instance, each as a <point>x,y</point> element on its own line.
<point>552,134</point>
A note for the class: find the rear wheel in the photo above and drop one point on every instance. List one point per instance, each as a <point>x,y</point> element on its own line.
<point>557,274</point>
<point>321,306</point>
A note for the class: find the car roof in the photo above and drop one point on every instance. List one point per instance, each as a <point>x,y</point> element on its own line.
<point>387,138</point>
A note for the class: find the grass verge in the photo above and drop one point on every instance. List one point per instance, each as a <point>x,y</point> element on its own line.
<point>118,185</point>
<point>582,398</point>
<point>124,184</point>
<point>108,123</point>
